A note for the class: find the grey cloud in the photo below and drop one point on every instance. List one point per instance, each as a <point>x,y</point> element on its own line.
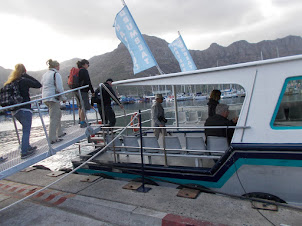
<point>92,18</point>
<point>95,18</point>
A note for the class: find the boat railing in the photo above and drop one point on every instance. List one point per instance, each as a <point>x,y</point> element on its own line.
<point>164,151</point>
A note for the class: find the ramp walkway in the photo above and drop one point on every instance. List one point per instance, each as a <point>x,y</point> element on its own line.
<point>12,162</point>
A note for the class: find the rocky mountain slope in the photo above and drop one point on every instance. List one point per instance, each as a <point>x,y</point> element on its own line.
<point>118,63</point>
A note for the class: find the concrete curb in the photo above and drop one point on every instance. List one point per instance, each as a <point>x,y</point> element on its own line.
<point>176,220</point>
<point>94,209</point>
<point>115,213</point>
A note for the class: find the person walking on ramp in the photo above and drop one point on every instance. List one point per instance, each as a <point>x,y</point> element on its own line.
<point>24,113</point>
<point>84,79</point>
<point>109,113</point>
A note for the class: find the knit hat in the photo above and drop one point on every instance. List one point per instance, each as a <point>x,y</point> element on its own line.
<point>159,96</point>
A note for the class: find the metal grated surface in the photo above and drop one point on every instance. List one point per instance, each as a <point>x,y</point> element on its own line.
<point>14,163</point>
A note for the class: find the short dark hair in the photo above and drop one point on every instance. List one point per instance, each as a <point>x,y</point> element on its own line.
<point>80,63</point>
<point>109,80</point>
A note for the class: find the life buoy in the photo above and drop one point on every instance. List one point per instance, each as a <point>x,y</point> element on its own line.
<point>133,124</point>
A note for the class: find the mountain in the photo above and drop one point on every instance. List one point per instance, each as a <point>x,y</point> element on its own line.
<point>118,63</point>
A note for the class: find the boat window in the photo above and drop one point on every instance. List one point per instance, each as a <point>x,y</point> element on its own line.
<point>288,113</point>
<point>190,99</point>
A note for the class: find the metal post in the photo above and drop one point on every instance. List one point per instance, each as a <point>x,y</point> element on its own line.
<point>80,148</point>
<point>125,122</point>
<point>113,145</point>
<point>83,106</point>
<point>45,131</point>
<point>249,105</point>
<point>73,108</point>
<point>14,120</point>
<point>175,105</point>
<point>165,152</point>
<point>142,188</point>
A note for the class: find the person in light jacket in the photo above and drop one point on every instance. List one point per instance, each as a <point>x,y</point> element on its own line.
<point>158,116</point>
<point>52,84</point>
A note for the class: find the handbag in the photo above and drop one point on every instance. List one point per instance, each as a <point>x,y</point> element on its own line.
<point>163,119</point>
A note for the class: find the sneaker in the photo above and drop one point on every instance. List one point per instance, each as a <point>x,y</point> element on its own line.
<point>62,135</point>
<point>56,141</point>
<point>2,159</point>
<point>32,148</point>
<point>28,154</point>
<point>84,125</point>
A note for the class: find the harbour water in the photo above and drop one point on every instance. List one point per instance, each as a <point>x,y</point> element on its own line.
<point>9,141</point>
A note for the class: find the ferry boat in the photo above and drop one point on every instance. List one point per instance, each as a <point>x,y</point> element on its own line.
<point>264,158</point>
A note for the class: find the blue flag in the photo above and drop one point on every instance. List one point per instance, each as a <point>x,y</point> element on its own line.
<point>182,55</point>
<point>127,31</point>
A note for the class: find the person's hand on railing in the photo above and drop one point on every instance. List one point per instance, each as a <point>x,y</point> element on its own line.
<point>235,119</point>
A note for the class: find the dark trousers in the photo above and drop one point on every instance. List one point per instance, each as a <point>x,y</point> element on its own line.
<point>109,115</point>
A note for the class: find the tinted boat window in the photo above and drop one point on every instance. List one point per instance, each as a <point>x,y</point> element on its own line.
<point>288,113</point>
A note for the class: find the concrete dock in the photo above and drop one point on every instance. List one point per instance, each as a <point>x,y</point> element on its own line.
<point>79,200</point>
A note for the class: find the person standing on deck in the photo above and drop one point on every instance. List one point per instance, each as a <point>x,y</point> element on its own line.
<point>109,113</point>
<point>158,116</point>
<point>213,102</point>
<point>24,114</point>
<point>84,79</point>
<point>52,84</point>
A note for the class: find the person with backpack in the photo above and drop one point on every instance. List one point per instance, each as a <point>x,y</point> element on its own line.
<point>52,84</point>
<point>83,80</point>
<point>24,113</point>
<point>109,113</point>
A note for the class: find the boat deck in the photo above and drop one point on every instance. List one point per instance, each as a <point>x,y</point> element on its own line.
<point>184,158</point>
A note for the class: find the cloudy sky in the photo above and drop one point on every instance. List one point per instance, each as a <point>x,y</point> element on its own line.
<point>32,31</point>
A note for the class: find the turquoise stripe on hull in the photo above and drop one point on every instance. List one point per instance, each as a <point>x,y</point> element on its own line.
<point>226,176</point>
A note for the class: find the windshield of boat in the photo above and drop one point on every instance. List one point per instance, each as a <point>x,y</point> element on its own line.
<point>288,112</point>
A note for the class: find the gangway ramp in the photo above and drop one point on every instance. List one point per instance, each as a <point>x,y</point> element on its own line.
<point>14,163</point>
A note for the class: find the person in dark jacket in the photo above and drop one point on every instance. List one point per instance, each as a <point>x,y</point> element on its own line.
<point>24,114</point>
<point>84,79</point>
<point>221,119</point>
<point>213,102</point>
<point>109,113</point>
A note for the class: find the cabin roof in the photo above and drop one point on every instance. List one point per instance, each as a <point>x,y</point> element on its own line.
<point>173,78</point>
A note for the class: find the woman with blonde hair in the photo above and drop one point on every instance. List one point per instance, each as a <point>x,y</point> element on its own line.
<point>52,84</point>
<point>24,113</point>
<point>213,102</point>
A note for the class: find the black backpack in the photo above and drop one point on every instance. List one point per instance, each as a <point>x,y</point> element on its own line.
<point>10,94</point>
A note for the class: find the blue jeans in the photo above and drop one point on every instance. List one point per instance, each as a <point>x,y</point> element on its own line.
<point>25,118</point>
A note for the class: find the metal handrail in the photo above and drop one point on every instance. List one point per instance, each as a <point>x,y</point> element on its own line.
<point>168,149</point>
<point>51,152</point>
<point>41,99</point>
<point>193,128</point>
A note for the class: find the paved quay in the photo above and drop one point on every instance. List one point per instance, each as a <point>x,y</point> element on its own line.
<point>99,201</point>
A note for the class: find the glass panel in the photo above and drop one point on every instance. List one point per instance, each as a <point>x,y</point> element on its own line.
<point>289,112</point>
